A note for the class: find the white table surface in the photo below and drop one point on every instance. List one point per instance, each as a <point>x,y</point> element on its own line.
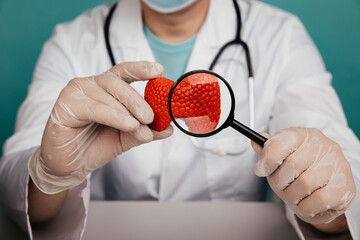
<point>188,220</point>
<point>177,220</point>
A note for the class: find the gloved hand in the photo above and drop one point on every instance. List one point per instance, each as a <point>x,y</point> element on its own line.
<point>309,172</point>
<point>93,120</point>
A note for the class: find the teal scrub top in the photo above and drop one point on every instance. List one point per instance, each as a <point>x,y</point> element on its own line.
<point>173,57</point>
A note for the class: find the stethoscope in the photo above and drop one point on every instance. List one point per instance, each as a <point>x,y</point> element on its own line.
<point>236,41</point>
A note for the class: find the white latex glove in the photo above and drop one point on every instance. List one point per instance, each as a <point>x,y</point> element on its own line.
<point>93,120</point>
<point>309,172</point>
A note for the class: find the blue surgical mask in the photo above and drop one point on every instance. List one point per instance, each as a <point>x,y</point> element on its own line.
<point>168,6</point>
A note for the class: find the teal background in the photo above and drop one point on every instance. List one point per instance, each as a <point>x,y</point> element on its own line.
<point>25,25</point>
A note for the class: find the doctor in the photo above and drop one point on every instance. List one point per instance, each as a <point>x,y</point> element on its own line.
<point>84,123</point>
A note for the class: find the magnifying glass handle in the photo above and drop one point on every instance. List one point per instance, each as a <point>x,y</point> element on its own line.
<point>256,137</point>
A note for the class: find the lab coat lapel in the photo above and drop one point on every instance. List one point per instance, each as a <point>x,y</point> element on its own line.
<point>218,28</point>
<point>127,37</point>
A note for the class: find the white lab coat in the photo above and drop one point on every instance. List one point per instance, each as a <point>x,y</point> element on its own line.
<point>292,88</point>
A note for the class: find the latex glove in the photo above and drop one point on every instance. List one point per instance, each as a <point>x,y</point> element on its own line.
<point>309,172</point>
<point>93,120</point>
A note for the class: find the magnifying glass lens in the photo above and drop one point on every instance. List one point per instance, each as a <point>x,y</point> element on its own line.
<point>200,103</point>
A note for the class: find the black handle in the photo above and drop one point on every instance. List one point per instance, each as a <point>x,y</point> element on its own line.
<point>259,139</point>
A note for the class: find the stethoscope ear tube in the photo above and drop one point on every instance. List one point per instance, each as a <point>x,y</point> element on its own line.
<point>248,132</point>
<point>107,34</point>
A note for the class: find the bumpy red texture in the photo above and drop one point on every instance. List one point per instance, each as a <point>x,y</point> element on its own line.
<point>196,100</point>
<point>156,94</point>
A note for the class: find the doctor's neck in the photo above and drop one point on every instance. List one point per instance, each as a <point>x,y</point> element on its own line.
<point>176,27</point>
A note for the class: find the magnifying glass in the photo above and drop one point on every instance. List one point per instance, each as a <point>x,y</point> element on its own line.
<point>201,103</point>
